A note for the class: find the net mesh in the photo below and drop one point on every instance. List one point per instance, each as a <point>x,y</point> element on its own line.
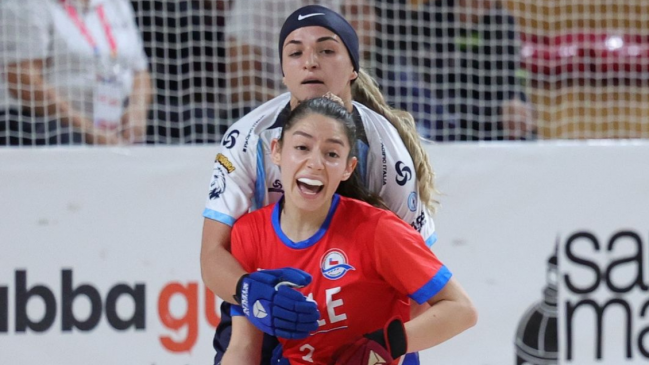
<point>466,69</point>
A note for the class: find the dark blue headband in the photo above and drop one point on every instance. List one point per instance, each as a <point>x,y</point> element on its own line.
<point>316,15</point>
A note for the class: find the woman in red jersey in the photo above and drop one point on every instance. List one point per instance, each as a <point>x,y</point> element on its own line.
<point>361,278</point>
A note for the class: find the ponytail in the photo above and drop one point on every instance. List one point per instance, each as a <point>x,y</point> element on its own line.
<point>366,92</point>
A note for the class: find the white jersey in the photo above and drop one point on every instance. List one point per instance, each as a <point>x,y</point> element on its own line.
<point>245,179</point>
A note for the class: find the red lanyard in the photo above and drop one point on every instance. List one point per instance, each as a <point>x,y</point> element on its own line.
<point>72,13</point>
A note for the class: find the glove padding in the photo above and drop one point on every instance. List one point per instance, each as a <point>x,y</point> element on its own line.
<point>379,347</point>
<point>271,304</point>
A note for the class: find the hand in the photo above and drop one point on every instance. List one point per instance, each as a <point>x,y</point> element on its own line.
<point>133,125</point>
<point>99,136</point>
<point>331,96</point>
<point>271,304</point>
<point>379,347</point>
<point>93,135</point>
<point>518,119</point>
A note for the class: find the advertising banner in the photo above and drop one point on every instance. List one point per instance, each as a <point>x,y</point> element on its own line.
<point>99,253</point>
<point>508,211</point>
<point>100,257</point>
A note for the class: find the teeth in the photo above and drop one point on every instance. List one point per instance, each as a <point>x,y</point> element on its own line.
<point>304,180</point>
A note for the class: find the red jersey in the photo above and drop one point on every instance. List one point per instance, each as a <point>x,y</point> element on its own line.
<point>365,262</point>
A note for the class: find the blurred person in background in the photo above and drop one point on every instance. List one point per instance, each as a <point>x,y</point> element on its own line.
<point>251,35</point>
<point>457,68</point>
<point>185,43</point>
<point>398,55</point>
<point>475,69</point>
<point>72,72</point>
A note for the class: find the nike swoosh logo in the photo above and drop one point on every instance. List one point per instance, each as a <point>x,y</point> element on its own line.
<point>302,17</point>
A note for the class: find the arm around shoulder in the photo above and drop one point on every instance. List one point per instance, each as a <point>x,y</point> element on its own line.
<point>219,269</point>
<point>234,169</point>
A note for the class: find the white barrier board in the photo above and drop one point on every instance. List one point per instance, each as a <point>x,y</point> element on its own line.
<point>99,252</point>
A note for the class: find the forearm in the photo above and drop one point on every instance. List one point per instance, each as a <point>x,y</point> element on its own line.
<point>445,319</point>
<point>27,85</point>
<point>219,269</point>
<point>245,344</point>
<point>139,100</point>
<point>141,94</point>
<point>239,356</point>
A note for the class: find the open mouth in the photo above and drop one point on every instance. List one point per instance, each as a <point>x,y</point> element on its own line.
<point>312,82</point>
<point>309,186</point>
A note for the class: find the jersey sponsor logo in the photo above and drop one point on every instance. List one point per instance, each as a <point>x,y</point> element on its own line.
<point>404,173</point>
<point>384,161</point>
<point>244,298</point>
<point>231,139</point>
<point>276,187</point>
<point>302,17</point>
<point>245,141</point>
<point>217,186</point>
<point>334,264</point>
<point>223,160</point>
<point>412,201</point>
<point>419,222</point>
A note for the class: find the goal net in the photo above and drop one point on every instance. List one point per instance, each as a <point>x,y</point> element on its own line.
<point>466,69</point>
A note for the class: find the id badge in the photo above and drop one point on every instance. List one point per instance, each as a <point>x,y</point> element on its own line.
<point>108,99</point>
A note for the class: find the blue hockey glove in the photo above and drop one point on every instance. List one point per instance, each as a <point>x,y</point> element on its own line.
<point>271,304</point>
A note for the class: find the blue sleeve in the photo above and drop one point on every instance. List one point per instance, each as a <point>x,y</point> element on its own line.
<point>236,310</point>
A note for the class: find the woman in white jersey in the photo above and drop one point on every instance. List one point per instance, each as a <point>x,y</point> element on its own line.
<point>319,54</point>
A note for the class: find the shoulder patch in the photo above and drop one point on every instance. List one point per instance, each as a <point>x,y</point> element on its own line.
<point>217,186</point>
<point>225,162</point>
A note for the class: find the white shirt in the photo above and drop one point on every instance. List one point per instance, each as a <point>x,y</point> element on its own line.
<point>244,177</point>
<point>42,29</point>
